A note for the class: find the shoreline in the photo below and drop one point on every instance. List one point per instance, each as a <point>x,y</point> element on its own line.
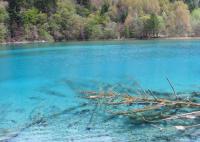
<point>23,42</point>
<point>123,39</point>
<point>181,38</point>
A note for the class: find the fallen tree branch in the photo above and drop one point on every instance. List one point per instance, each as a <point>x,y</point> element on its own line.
<point>172,87</point>
<point>191,115</point>
<point>153,108</point>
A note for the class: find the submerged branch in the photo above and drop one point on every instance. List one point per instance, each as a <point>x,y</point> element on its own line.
<point>172,87</point>
<point>150,107</point>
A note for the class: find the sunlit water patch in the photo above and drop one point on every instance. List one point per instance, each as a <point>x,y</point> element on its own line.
<point>39,88</point>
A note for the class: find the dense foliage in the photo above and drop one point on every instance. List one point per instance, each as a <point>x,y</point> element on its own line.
<point>59,20</point>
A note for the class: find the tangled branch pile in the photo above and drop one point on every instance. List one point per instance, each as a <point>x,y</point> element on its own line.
<point>147,107</point>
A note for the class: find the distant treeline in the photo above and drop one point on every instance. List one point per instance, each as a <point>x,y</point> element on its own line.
<point>61,20</point>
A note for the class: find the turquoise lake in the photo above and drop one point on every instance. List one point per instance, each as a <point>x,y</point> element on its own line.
<point>43,80</point>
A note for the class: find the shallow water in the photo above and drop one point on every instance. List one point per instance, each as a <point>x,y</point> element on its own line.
<point>39,85</point>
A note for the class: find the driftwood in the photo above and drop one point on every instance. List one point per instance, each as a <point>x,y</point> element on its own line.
<point>146,107</point>
<point>191,115</point>
<point>172,87</point>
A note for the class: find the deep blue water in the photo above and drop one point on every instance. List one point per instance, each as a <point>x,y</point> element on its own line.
<point>37,80</point>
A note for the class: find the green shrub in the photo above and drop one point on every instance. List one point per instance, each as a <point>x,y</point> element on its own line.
<point>30,16</point>
<point>195,20</point>
<point>3,32</point>
<point>3,14</point>
<point>82,11</point>
<point>45,35</point>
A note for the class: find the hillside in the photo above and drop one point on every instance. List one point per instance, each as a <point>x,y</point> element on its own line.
<point>61,20</point>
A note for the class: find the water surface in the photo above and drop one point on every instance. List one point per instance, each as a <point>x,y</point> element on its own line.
<point>42,81</point>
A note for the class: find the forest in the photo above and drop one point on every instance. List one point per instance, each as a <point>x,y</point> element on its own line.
<point>62,20</point>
